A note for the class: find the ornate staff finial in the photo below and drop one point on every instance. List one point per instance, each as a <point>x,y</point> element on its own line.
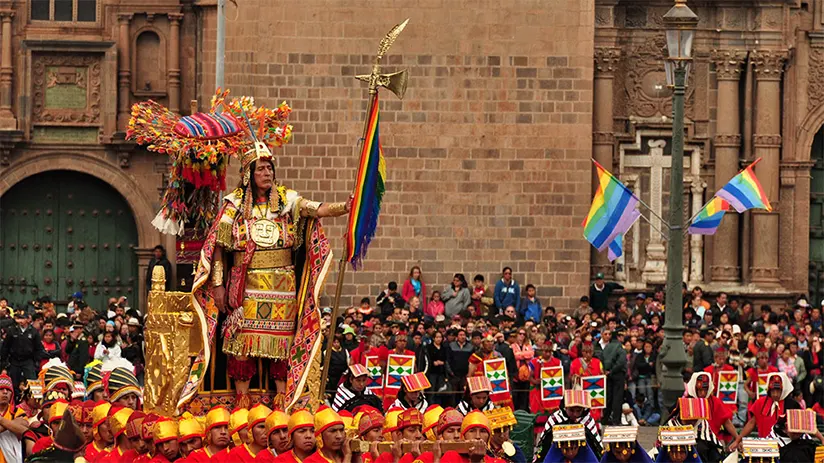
<point>396,81</point>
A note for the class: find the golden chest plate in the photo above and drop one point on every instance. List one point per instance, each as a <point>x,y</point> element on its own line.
<point>265,233</point>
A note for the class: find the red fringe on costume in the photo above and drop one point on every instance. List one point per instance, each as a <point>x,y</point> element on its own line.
<point>242,370</point>
<point>278,369</point>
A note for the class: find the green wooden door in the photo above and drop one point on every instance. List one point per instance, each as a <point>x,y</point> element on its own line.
<point>62,232</point>
<point>817,220</point>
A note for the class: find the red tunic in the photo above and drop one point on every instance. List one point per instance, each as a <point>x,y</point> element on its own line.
<point>159,458</point>
<point>765,416</point>
<point>241,453</point>
<point>93,452</point>
<point>317,457</point>
<point>265,455</point>
<point>288,457</point>
<point>129,456</point>
<point>42,444</point>
<point>221,457</point>
<point>719,413</point>
<point>145,458</point>
<point>594,368</point>
<point>425,457</point>
<point>536,403</point>
<point>455,457</point>
<point>478,361</point>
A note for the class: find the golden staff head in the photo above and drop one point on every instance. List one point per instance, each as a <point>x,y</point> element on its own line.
<point>396,81</point>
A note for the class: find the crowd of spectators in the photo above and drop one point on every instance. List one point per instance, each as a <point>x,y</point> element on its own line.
<point>609,332</point>
<point>33,332</point>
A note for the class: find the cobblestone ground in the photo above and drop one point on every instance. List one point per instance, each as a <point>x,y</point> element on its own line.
<point>647,436</point>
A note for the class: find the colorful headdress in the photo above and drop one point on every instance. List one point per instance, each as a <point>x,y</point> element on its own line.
<point>218,416</point>
<point>780,381</point>
<point>164,430</point>
<point>391,423</point>
<point>566,434</point>
<point>449,417</point>
<point>367,419</point>
<point>276,420</point>
<point>33,389</point>
<point>418,382</point>
<point>348,420</point>
<point>474,419</point>
<point>801,421</point>
<point>119,379</point>
<point>325,418</point>
<point>5,383</point>
<point>576,398</point>
<point>100,412</point>
<point>86,416</point>
<point>134,427</point>
<point>118,418</point>
<point>257,414</point>
<point>760,448</point>
<point>300,419</point>
<point>188,427</point>
<point>693,409</point>
<point>56,410</point>
<point>238,420</point>
<point>430,419</point>
<point>478,384</point>
<point>676,435</point>
<point>358,370</point>
<point>76,409</point>
<point>615,434</point>
<point>93,376</point>
<point>500,418</point>
<point>55,372</point>
<point>410,417</point>
<point>148,426</point>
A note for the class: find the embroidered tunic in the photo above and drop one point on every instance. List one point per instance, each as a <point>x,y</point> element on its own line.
<point>262,282</point>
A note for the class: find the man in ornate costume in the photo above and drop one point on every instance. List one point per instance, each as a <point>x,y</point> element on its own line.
<point>265,257</point>
<point>574,410</point>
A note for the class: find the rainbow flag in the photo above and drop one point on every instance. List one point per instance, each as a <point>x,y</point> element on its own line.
<point>709,218</point>
<point>368,194</point>
<point>611,214</point>
<point>744,191</point>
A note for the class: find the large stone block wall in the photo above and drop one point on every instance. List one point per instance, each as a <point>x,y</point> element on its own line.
<point>488,155</point>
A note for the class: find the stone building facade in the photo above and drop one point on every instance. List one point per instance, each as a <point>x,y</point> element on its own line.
<point>488,155</point>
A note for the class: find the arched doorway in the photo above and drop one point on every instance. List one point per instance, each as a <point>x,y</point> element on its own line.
<point>65,231</point>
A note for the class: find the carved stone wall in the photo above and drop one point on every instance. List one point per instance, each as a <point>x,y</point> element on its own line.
<point>66,89</point>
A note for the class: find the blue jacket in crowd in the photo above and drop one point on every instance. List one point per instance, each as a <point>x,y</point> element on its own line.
<point>507,295</point>
<point>531,310</point>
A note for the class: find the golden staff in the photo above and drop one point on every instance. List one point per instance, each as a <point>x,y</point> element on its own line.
<point>396,83</point>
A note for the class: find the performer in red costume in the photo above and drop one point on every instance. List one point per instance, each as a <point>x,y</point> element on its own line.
<point>333,446</point>
<point>301,429</point>
<point>700,387</point>
<point>247,452</point>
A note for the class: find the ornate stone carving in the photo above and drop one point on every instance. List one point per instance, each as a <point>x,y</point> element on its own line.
<point>725,272</point>
<point>766,141</point>
<point>645,85</point>
<point>606,60</point>
<point>604,16</point>
<point>769,64</point>
<point>727,63</point>
<point>78,77</point>
<point>727,140</point>
<point>764,274</point>
<point>603,138</point>
<point>815,85</point>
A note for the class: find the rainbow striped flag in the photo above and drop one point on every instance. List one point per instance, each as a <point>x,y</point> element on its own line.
<point>612,213</point>
<point>709,218</point>
<point>744,191</point>
<point>368,194</point>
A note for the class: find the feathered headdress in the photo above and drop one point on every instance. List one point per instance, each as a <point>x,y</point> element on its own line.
<point>200,146</point>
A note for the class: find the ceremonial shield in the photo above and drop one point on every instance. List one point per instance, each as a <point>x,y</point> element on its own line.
<point>728,387</point>
<point>596,389</point>
<point>552,383</point>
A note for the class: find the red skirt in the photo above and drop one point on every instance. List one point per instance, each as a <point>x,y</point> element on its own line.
<point>241,370</point>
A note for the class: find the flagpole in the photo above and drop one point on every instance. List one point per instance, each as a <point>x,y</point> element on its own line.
<point>330,338</point>
<point>396,83</point>
<point>654,227</point>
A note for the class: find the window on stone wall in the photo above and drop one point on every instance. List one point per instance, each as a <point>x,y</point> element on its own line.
<point>80,11</point>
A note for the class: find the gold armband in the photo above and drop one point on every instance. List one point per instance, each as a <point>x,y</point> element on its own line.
<point>217,274</point>
<point>337,209</point>
<point>309,208</point>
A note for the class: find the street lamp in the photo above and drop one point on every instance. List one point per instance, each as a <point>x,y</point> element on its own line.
<point>680,23</point>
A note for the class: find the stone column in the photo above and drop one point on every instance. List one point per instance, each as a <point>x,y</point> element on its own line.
<point>725,264</point>
<point>124,73</point>
<point>769,65</point>
<point>603,139</point>
<point>7,119</point>
<point>174,61</point>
